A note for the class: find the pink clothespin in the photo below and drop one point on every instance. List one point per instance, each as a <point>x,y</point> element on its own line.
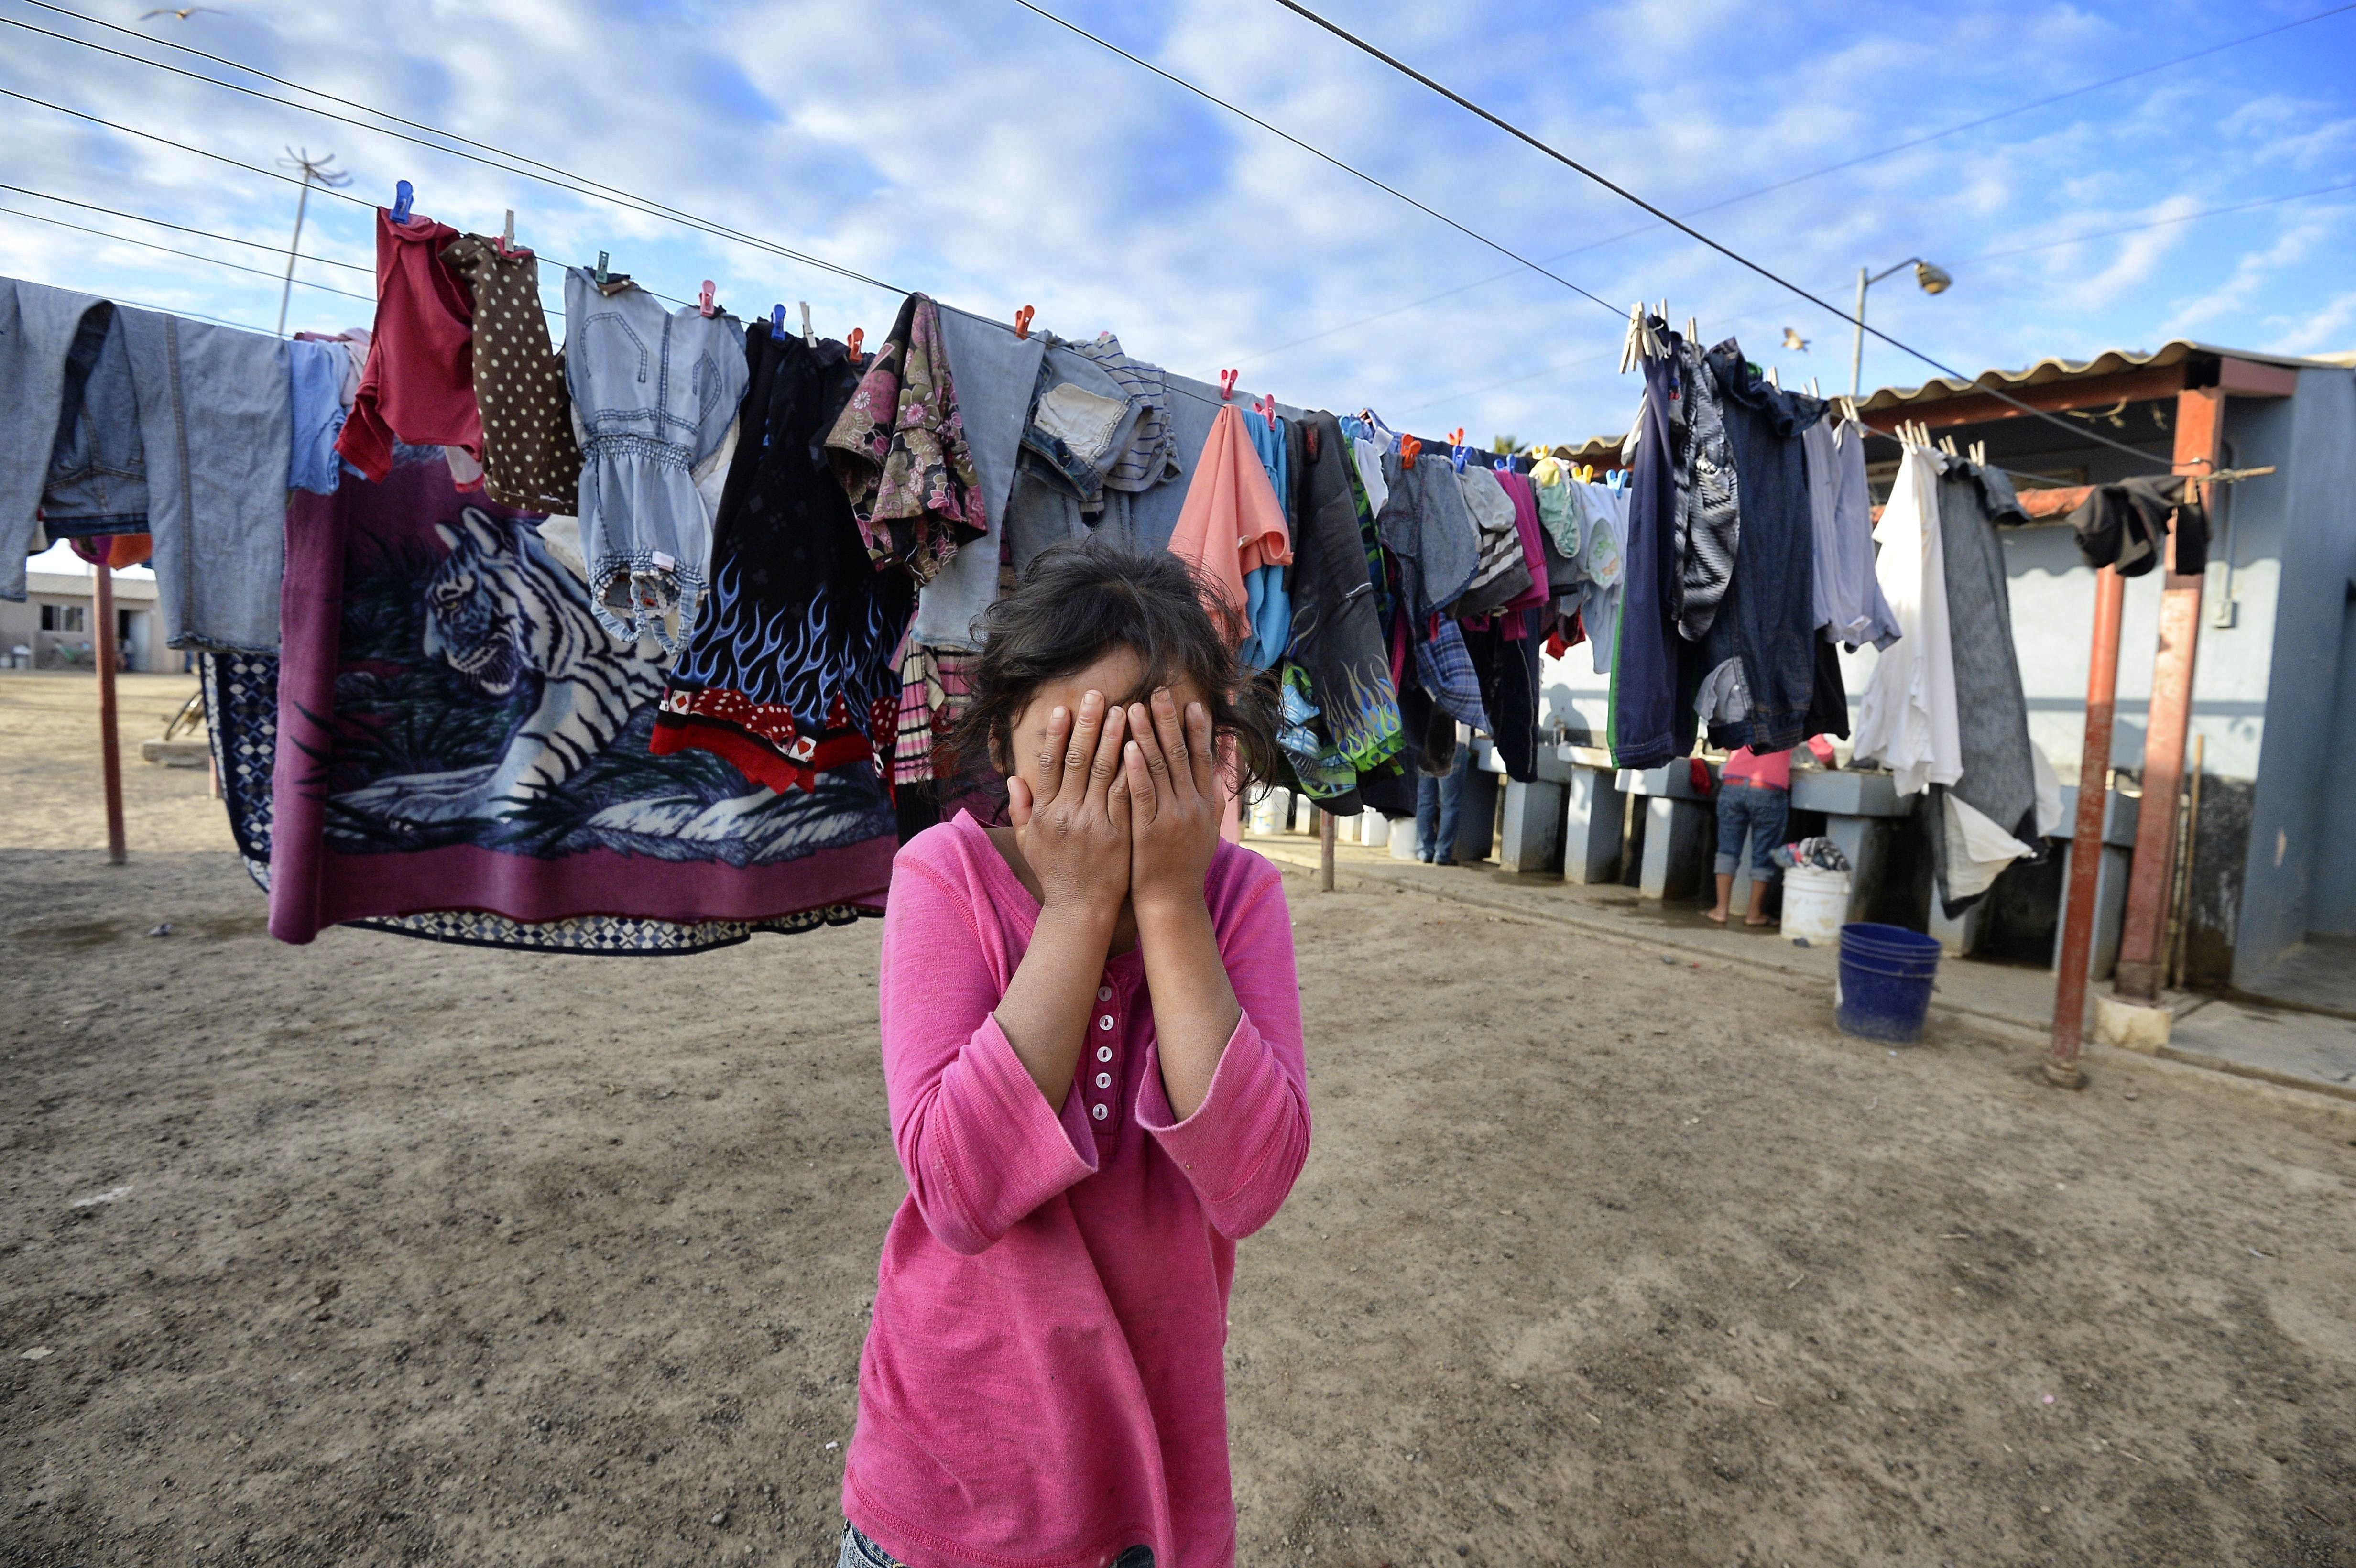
<point>1022,322</point>
<point>1227,384</point>
<point>857,337</point>
<point>704,298</point>
<point>1266,407</point>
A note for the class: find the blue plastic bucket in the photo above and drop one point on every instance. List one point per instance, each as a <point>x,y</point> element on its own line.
<point>1886,974</point>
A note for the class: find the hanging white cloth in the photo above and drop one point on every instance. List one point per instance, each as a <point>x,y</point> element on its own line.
<point>1907,721</point>
<point>1977,849</point>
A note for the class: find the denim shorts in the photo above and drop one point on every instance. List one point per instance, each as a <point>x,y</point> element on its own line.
<point>857,1551</point>
<point>1762,813</point>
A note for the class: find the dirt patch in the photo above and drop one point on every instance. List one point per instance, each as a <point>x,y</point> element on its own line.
<point>387,1251</point>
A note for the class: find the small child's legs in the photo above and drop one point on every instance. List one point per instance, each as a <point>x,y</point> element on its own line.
<point>1760,815</point>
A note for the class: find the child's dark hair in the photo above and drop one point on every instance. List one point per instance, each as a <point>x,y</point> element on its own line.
<point>1080,599</point>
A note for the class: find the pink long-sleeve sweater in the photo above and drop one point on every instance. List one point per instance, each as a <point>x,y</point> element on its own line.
<point>1045,1385</point>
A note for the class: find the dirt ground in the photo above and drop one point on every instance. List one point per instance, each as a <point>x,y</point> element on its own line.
<point>383,1252</point>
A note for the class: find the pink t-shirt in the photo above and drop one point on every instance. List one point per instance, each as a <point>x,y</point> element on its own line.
<point>1773,771</point>
<point>1045,1380</point>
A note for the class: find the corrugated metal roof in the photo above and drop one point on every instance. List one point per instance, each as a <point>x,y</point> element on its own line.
<point>2109,362</point>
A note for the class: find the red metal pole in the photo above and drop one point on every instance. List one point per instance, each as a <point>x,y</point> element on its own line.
<point>2086,841</point>
<point>2142,957</point>
<point>111,759</point>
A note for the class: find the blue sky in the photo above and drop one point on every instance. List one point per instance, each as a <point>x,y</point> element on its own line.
<point>971,149</point>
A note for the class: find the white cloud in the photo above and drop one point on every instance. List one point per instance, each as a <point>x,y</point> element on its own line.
<point>990,156</point>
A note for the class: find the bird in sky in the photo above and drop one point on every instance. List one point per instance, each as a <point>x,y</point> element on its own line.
<point>1793,340</point>
<point>181,12</point>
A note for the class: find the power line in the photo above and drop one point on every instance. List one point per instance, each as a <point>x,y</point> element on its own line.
<point>240,164</point>
<point>172,250</point>
<point>2165,222</point>
<point>562,179</point>
<point>162,309</point>
<point>1861,158</point>
<point>1317,153</point>
<point>1688,230</point>
<point>207,233</point>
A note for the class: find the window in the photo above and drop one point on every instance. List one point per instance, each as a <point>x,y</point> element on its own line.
<point>65,617</point>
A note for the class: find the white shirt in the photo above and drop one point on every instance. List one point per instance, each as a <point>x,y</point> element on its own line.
<point>1906,721</point>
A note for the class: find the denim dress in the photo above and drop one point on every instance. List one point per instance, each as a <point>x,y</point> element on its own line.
<point>654,393</point>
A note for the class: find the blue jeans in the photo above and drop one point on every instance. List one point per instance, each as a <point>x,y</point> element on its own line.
<point>1438,803</point>
<point>1762,813</point>
<point>857,1551</point>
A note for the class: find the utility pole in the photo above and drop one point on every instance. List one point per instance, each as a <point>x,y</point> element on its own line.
<point>313,169</point>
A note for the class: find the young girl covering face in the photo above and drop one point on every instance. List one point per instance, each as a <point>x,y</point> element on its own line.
<point>1092,1044</point>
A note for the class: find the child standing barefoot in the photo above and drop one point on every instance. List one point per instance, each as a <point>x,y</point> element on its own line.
<point>1092,1045</point>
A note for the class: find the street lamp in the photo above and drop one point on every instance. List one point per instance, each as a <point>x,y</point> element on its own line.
<point>1934,280</point>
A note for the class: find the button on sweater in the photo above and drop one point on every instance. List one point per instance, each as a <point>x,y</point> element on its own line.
<point>1044,1384</point>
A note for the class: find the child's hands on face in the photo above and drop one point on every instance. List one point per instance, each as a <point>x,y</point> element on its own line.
<point>1075,828</point>
<point>1174,802</point>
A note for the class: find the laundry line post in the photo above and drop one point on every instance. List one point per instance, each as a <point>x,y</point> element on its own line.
<point>2086,842</point>
<point>2143,942</point>
<point>1325,849</point>
<point>110,752</point>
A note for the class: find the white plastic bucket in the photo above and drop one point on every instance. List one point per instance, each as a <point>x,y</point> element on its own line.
<point>1815,905</point>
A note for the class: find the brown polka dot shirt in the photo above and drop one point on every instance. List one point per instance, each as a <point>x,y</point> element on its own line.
<point>530,458</point>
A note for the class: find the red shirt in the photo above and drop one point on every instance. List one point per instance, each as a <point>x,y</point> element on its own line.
<point>1044,1382</point>
<point>418,385</point>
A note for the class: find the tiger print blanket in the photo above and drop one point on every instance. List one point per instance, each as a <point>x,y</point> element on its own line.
<point>457,749</point>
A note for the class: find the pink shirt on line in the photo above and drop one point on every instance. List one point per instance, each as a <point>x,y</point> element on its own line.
<point>1044,1384</point>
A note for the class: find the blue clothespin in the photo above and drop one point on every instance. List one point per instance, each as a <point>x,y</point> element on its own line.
<point>404,194</point>
<point>603,257</point>
<point>1504,464</point>
<point>1457,454</point>
<point>778,324</point>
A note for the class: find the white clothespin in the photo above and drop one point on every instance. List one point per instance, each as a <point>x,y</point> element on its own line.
<point>808,335</point>
<point>1979,453</point>
<point>1772,379</point>
<point>1642,342</point>
<point>1693,330</point>
<point>507,234</point>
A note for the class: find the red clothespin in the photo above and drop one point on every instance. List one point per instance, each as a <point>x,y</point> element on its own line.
<point>857,337</point>
<point>704,298</point>
<point>1227,384</point>
<point>1456,437</point>
<point>1022,322</point>
<point>1409,450</point>
<point>1266,407</point>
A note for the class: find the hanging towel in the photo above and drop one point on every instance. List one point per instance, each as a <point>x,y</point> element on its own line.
<point>460,753</point>
<point>419,384</point>
<point>1906,719</point>
<point>1231,525</point>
